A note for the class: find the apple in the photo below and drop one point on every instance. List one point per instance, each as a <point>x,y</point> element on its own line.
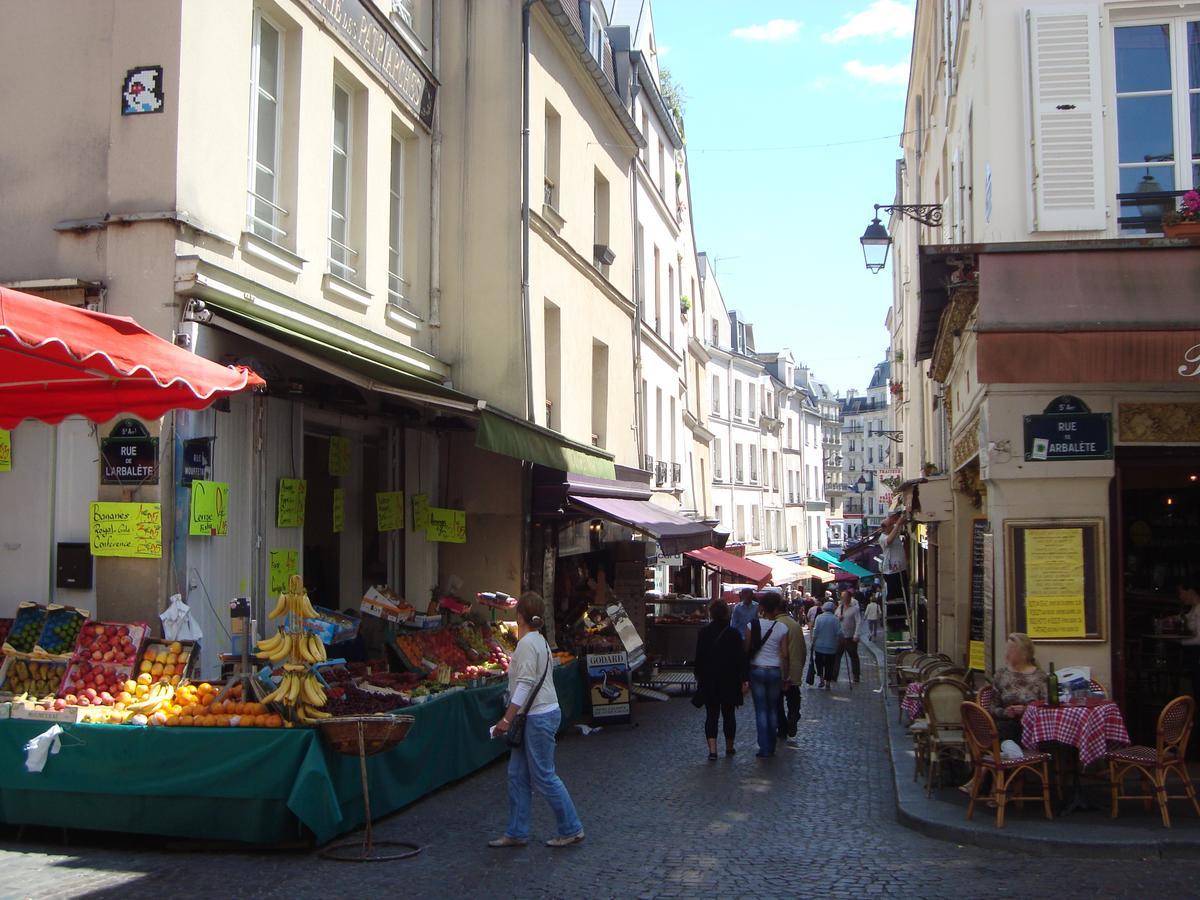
<point>83,701</point>
<point>97,655</point>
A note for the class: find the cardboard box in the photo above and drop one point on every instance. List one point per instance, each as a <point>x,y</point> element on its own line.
<point>384,604</point>
<point>69,715</point>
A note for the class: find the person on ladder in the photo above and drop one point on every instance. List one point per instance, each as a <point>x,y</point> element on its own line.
<point>894,566</point>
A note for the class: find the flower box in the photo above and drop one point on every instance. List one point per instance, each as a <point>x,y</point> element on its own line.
<point>1182,229</point>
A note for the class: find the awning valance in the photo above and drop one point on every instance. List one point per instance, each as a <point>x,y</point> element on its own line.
<point>58,361</point>
<point>752,571</point>
<point>510,436</point>
<point>844,564</point>
<point>783,571</point>
<point>674,533</point>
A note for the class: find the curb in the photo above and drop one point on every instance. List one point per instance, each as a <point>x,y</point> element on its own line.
<point>1022,832</point>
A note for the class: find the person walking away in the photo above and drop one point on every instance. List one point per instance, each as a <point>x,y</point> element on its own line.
<point>894,566</point>
<point>531,690</point>
<point>826,638</point>
<point>720,670</point>
<point>744,612</point>
<point>873,614</point>
<point>767,651</point>
<point>850,617</point>
<point>797,656</point>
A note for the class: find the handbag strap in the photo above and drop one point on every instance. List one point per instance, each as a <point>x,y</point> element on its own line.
<point>533,694</point>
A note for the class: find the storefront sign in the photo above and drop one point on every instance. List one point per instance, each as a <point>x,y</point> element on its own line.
<point>355,23</point>
<point>1054,594</point>
<point>420,506</point>
<point>389,510</point>
<point>129,455</point>
<point>447,526</point>
<point>290,511</point>
<point>197,459</point>
<point>5,450</point>
<point>339,510</point>
<point>608,687</point>
<point>1191,362</point>
<point>126,529</point>
<point>1068,430</point>
<point>339,456</point>
<point>281,566</point>
<point>210,509</point>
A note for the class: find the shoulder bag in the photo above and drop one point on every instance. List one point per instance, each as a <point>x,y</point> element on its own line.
<point>757,638</point>
<point>515,736</point>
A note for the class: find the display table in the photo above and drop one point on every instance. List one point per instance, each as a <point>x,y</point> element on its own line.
<point>255,785</point>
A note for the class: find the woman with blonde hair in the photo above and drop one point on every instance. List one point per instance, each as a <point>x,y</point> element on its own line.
<point>531,692</point>
<point>1016,686</point>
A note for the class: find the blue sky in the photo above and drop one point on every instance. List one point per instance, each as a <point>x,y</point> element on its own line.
<point>763,78</point>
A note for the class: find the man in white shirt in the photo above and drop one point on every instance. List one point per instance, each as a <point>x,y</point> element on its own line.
<point>893,565</point>
<point>872,615</point>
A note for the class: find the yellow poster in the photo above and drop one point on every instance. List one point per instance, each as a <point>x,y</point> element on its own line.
<point>283,564</point>
<point>1054,579</point>
<point>5,450</point>
<point>339,455</point>
<point>449,526</point>
<point>339,510</point>
<point>210,509</point>
<point>420,505</point>
<point>975,659</point>
<point>126,529</point>
<point>389,510</point>
<point>290,512</point>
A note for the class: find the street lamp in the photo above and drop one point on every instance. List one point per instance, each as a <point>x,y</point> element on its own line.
<point>876,241</point>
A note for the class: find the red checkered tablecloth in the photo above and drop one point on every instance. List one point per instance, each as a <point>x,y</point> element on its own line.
<point>912,704</point>
<point>1092,728</point>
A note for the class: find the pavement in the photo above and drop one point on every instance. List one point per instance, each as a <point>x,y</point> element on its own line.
<point>661,821</point>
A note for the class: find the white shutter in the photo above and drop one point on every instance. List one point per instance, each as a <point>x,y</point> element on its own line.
<point>1065,125</point>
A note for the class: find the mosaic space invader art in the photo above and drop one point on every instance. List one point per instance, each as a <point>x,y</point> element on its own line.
<point>142,91</point>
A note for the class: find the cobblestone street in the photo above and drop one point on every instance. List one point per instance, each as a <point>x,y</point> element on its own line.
<point>661,821</point>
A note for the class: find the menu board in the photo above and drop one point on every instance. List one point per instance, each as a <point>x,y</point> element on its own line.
<point>1055,583</point>
<point>290,511</point>
<point>448,526</point>
<point>979,530</point>
<point>5,450</point>
<point>989,600</point>
<point>281,566</point>
<point>339,510</point>
<point>420,505</point>
<point>339,456</point>
<point>210,509</point>
<point>389,510</point>
<point>126,529</point>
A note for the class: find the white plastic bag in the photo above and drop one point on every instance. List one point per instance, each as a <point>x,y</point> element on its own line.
<point>1011,750</point>
<point>38,749</point>
<point>178,622</point>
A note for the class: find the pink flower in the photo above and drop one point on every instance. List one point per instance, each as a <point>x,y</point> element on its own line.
<point>1191,201</point>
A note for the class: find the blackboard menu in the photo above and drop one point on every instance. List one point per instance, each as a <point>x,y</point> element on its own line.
<point>979,579</point>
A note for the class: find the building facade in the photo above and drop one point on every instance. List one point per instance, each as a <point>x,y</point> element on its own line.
<point>870,454</point>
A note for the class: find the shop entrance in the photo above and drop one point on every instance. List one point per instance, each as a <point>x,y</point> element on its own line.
<point>1156,546</point>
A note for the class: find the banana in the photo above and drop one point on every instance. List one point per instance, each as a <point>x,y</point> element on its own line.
<point>306,608</point>
<point>303,651</point>
<point>317,713</point>
<point>312,692</point>
<point>276,695</point>
<point>268,646</point>
<point>280,607</point>
<point>293,690</point>
<point>318,648</point>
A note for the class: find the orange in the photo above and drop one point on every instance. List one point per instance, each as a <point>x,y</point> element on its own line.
<point>274,721</point>
<point>172,720</point>
<point>185,719</point>
<point>206,700</point>
<point>254,709</point>
<point>205,687</point>
<point>246,722</point>
<point>223,721</point>
<point>209,721</point>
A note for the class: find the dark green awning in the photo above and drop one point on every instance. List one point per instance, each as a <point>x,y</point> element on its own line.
<point>844,564</point>
<point>502,433</point>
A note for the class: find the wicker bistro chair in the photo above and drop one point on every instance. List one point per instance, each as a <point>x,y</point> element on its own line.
<point>1154,764</point>
<point>983,742</point>
<point>943,708</point>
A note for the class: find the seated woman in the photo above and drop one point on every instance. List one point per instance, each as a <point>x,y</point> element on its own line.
<point>1015,687</point>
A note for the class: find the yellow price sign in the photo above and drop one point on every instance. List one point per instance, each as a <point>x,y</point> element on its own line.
<point>976,657</point>
<point>448,526</point>
<point>420,505</point>
<point>126,529</point>
<point>389,510</point>
<point>5,450</point>
<point>282,565</point>
<point>290,511</point>
<point>339,456</point>
<point>210,509</point>
<point>339,510</point>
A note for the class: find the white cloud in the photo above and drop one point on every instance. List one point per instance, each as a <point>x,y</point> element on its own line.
<point>882,19</point>
<point>877,74</point>
<point>775,30</point>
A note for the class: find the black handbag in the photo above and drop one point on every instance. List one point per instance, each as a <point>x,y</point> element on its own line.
<point>515,736</point>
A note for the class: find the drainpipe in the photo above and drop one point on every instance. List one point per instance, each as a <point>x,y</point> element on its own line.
<point>526,334</point>
<point>639,297</point>
<point>435,194</point>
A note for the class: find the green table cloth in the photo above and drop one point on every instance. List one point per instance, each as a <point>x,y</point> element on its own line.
<point>256,785</point>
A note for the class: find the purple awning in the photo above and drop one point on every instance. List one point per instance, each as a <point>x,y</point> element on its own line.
<point>674,533</point>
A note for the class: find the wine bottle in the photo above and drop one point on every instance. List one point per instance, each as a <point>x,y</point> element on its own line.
<point>1052,687</point>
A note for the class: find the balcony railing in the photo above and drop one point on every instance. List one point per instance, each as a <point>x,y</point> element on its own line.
<point>548,194</point>
<point>1141,212</point>
<point>648,463</point>
<point>676,473</point>
<point>660,473</point>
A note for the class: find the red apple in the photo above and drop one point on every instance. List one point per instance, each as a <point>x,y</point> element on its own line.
<point>97,655</point>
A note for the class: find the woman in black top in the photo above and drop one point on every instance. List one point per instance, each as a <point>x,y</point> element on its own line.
<point>720,674</point>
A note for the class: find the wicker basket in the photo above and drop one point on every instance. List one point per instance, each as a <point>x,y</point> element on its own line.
<point>380,732</point>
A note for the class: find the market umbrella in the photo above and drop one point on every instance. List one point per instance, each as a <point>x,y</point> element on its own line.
<point>58,360</point>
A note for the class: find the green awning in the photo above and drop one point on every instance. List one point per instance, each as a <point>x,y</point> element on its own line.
<point>501,433</point>
<point>844,564</point>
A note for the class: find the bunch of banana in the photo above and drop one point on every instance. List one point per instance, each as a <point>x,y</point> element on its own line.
<point>309,648</point>
<point>309,715</point>
<point>159,692</point>
<point>276,648</point>
<point>294,601</point>
<point>288,692</point>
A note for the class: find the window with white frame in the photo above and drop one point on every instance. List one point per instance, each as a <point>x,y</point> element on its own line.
<point>718,514</point>
<point>754,534</point>
<point>596,44</point>
<point>264,213</point>
<point>753,466</point>
<point>397,284</point>
<point>341,255</point>
<point>717,461</point>
<point>737,399</point>
<point>738,471</point>
<point>753,396</point>
<point>716,395</point>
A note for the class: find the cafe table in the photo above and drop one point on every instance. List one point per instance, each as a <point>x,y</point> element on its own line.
<point>1092,725</point>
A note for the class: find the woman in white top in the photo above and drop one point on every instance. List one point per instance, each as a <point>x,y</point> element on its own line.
<point>532,764</point>
<point>767,650</point>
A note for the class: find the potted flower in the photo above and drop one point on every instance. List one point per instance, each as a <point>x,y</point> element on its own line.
<point>1185,221</point>
<point>685,305</point>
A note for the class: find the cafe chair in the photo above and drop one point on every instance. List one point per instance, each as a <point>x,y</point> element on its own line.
<point>1155,763</point>
<point>943,709</point>
<point>983,743</point>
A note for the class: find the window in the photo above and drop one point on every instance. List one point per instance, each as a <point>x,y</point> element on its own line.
<point>740,533</point>
<point>658,423</point>
<point>753,396</point>
<point>599,394</point>
<point>602,256</point>
<point>716,395</point>
<point>718,462</point>
<point>646,135</point>
<point>341,255</point>
<point>738,472</point>
<point>766,472</point>
<point>789,434</point>
<point>645,416</point>
<point>775,470</point>
<point>264,213</point>
<point>754,522</point>
<point>672,457</point>
<point>672,304</point>
<point>552,156</point>
<point>716,333</point>
<point>753,466</point>
<point>718,514</point>
<point>397,284</point>
<point>596,42</point>
<point>662,170</point>
<point>737,399</point>
<point>658,312</point>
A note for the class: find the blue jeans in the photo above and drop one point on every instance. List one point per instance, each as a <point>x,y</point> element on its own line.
<point>765,687</point>
<point>533,766</point>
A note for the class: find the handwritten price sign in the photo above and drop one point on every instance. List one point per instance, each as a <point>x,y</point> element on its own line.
<point>447,526</point>
<point>420,505</point>
<point>290,512</point>
<point>389,510</point>
<point>126,529</point>
<point>210,509</point>
<point>339,510</point>
<point>282,565</point>
<point>339,456</point>
<point>5,450</point>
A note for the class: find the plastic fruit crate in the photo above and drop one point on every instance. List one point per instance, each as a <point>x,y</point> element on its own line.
<point>26,629</point>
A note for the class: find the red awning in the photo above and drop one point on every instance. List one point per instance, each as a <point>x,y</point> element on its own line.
<point>58,361</point>
<point>752,571</point>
